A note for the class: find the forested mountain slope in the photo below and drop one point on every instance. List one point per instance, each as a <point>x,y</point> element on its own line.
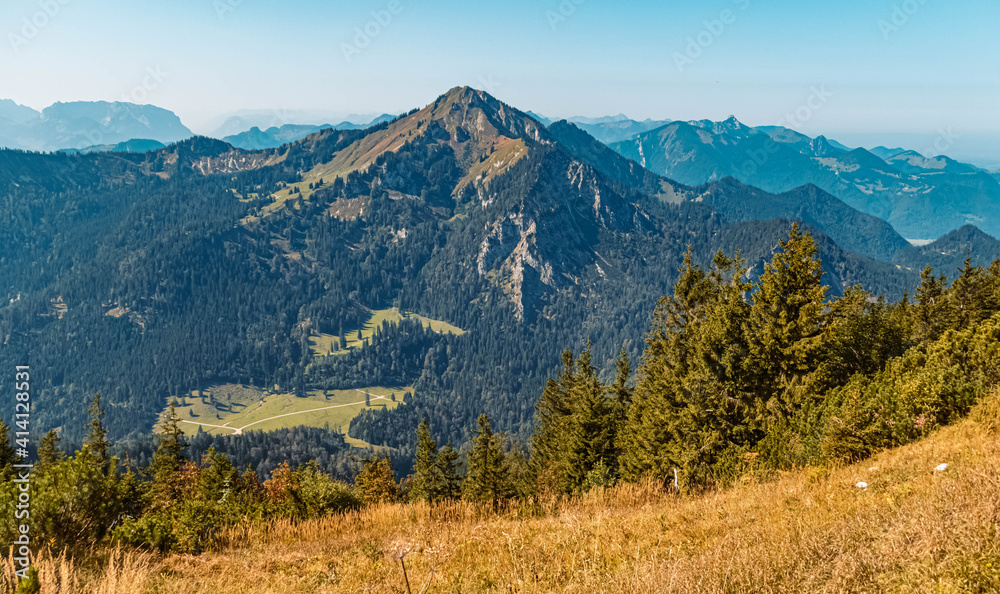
<point>144,276</point>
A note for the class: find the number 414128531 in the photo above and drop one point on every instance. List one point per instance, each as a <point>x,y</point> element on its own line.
<point>23,408</point>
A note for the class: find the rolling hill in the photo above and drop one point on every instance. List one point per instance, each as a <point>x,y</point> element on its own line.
<point>949,253</point>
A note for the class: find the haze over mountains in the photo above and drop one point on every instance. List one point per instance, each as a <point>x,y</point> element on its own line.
<point>275,136</point>
<point>82,124</point>
<point>608,129</point>
<point>923,198</point>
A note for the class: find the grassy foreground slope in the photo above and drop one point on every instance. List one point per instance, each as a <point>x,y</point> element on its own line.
<point>917,527</point>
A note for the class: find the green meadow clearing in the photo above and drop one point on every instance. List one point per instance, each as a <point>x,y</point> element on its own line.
<point>326,345</point>
<point>230,409</point>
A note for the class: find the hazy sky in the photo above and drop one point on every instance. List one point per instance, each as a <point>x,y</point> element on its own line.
<point>850,66</point>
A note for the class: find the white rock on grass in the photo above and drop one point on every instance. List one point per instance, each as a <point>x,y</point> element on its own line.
<point>862,485</point>
<point>941,468</point>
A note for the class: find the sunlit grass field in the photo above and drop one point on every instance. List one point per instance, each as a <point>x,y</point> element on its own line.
<point>326,344</point>
<point>916,526</point>
<point>229,409</point>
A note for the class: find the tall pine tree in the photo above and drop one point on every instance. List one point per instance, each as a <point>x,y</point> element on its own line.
<point>487,480</point>
<point>167,462</point>
<point>427,477</point>
<point>785,332</point>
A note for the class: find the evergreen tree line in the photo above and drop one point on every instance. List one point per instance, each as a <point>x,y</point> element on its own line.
<point>737,377</point>
<point>743,376</point>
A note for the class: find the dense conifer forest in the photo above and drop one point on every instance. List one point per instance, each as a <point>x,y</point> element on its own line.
<point>738,376</point>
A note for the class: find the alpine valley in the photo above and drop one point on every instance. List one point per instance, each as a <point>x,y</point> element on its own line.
<point>446,255</point>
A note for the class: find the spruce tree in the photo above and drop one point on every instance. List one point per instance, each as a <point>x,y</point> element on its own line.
<point>450,482</point>
<point>785,337</point>
<point>48,450</point>
<point>786,322</point>
<point>651,440</point>
<point>426,472</point>
<point>167,461</point>
<point>968,297</point>
<point>95,445</point>
<point>621,390</point>
<point>715,419</point>
<point>486,480</point>
<point>216,477</point>
<point>549,442</point>
<point>8,457</point>
<point>929,320</point>
<point>591,433</point>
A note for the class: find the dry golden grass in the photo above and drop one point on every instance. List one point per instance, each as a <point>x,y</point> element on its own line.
<point>114,571</point>
<point>914,529</point>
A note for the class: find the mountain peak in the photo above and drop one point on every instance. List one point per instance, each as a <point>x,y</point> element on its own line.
<point>968,232</point>
<point>14,112</point>
<point>820,146</point>
<point>467,95</point>
<point>468,112</point>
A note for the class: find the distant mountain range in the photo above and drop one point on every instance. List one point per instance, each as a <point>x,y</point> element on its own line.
<point>234,123</point>
<point>99,126</point>
<point>923,198</point>
<point>83,124</point>
<point>273,137</point>
<point>607,129</point>
<point>136,145</point>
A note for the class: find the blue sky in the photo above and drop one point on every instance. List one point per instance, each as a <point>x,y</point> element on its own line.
<point>935,67</point>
